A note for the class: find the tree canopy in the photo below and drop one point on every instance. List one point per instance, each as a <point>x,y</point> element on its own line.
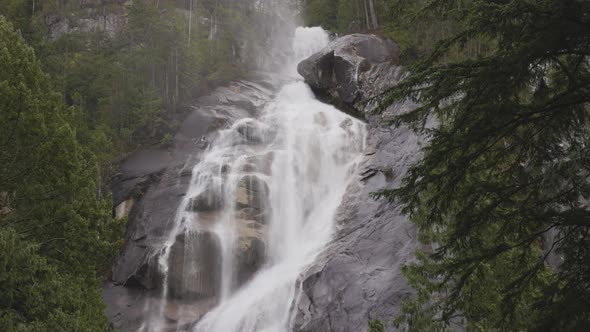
<point>56,232</point>
<point>501,195</point>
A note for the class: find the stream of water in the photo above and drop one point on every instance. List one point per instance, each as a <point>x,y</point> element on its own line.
<point>266,191</point>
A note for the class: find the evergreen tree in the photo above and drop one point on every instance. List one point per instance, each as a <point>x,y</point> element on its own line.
<point>56,231</point>
<point>503,187</point>
<point>35,296</point>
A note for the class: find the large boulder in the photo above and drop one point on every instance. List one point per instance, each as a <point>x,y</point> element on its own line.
<point>318,70</point>
<point>352,69</point>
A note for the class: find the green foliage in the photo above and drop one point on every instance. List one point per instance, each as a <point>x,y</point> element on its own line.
<point>322,13</point>
<point>415,25</point>
<point>36,296</point>
<point>167,140</point>
<point>504,181</point>
<point>56,232</point>
<point>132,87</point>
<point>344,15</point>
<point>376,326</point>
<point>20,13</point>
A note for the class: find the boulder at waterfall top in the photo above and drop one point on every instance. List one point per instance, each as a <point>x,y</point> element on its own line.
<point>352,69</point>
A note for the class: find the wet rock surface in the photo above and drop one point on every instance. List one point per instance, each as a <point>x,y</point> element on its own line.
<point>251,251</point>
<point>209,200</point>
<point>358,276</point>
<point>252,192</point>
<point>195,266</point>
<point>155,180</point>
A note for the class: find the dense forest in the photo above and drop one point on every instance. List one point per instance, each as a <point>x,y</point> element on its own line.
<point>501,195</point>
<point>415,25</point>
<point>500,198</point>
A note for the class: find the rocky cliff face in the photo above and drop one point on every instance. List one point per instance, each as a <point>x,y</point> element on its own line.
<point>148,191</point>
<point>108,16</point>
<point>358,277</point>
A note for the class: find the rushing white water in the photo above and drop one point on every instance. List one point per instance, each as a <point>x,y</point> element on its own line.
<point>292,165</point>
<point>315,149</point>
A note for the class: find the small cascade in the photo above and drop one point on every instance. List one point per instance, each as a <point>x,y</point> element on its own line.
<point>260,207</point>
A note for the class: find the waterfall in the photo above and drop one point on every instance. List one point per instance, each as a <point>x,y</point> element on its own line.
<point>260,207</point>
<point>314,149</point>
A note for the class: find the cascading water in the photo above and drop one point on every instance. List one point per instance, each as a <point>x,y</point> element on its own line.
<point>261,206</point>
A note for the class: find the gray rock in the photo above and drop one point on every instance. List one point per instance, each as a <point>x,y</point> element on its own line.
<point>195,266</point>
<point>252,192</point>
<point>250,213</point>
<point>261,163</point>
<point>251,132</point>
<point>210,199</point>
<point>318,70</point>
<point>353,69</point>
<point>124,209</point>
<point>94,15</point>
<point>254,132</point>
<point>251,251</point>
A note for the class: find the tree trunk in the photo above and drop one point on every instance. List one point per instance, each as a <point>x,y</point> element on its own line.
<point>367,15</point>
<point>190,21</point>
<point>104,18</point>
<point>373,15</point>
<point>167,80</point>
<point>176,80</point>
<point>357,26</point>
